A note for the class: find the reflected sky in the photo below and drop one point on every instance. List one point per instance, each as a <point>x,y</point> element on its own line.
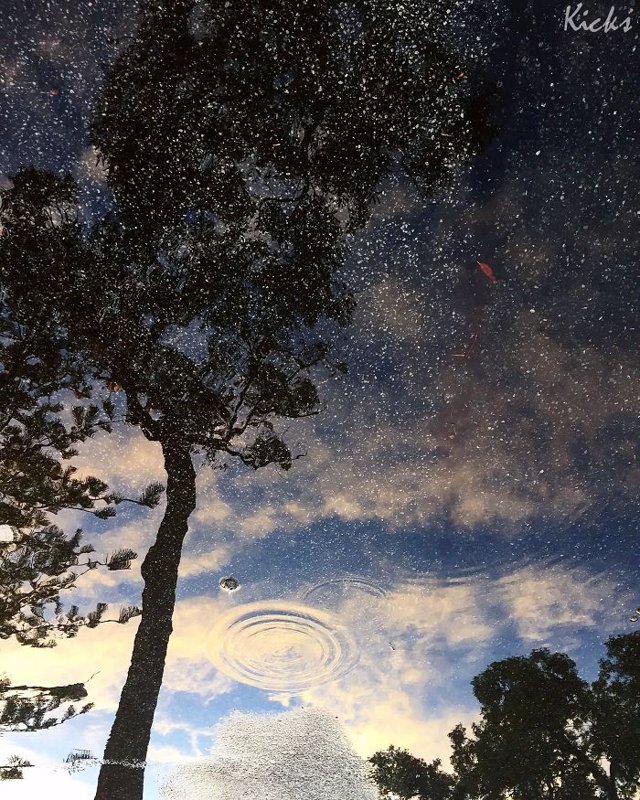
<point>448,511</point>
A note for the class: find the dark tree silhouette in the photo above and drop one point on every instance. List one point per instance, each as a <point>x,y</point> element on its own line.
<point>615,730</point>
<point>242,144</point>
<point>530,742</point>
<point>34,708</point>
<point>45,411</point>
<point>544,734</point>
<point>13,769</point>
<point>398,773</point>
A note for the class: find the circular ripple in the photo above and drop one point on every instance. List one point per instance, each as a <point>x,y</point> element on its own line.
<point>281,647</point>
<point>346,582</point>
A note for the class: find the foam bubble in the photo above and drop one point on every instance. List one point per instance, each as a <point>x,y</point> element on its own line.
<point>299,755</point>
<point>281,646</point>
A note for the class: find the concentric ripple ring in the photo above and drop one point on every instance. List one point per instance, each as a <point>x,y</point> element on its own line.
<point>347,582</point>
<point>281,646</point>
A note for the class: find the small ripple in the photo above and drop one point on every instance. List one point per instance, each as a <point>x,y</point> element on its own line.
<point>281,646</point>
<point>345,583</point>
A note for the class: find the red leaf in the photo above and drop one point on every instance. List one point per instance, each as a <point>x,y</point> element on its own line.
<point>488,271</point>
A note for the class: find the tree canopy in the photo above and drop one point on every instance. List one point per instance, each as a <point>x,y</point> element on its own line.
<point>398,773</point>
<point>544,734</point>
<point>39,429</point>
<point>45,411</point>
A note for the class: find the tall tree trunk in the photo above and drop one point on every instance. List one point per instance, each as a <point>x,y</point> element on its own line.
<point>122,772</point>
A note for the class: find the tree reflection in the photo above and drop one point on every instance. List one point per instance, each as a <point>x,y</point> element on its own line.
<point>544,734</point>
<point>242,144</point>
<point>40,429</point>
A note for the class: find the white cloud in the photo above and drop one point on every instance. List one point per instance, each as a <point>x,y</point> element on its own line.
<point>123,459</point>
<point>104,653</point>
<point>545,602</point>
<point>197,562</point>
<point>44,779</point>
